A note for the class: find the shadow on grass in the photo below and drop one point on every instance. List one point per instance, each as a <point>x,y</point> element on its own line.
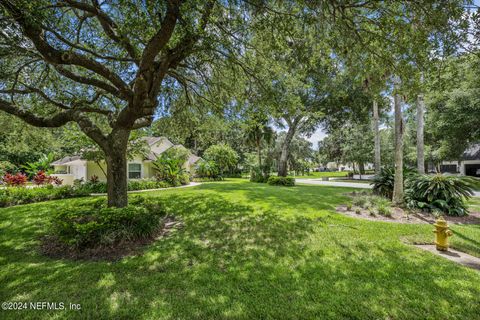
<point>296,197</point>
<point>232,260</point>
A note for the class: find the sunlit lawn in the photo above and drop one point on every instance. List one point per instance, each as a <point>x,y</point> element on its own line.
<point>247,251</point>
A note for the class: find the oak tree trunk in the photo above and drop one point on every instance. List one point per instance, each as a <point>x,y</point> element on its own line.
<point>116,158</point>
<point>376,137</point>
<point>283,163</point>
<point>398,182</point>
<point>420,141</point>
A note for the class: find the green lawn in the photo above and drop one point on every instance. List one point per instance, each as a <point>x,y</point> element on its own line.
<point>474,204</point>
<point>319,175</point>
<point>247,251</point>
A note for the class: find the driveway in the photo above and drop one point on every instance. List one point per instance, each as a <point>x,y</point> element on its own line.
<point>347,184</point>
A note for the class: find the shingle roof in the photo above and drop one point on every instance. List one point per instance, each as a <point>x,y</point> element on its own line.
<point>151,155</point>
<point>152,140</point>
<point>65,160</point>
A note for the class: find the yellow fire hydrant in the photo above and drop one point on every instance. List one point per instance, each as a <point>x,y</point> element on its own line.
<point>441,234</point>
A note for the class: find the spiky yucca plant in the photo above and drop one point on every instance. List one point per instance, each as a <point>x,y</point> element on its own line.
<point>383,182</point>
<point>438,192</point>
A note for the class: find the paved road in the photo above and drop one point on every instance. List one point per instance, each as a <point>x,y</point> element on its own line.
<point>335,184</point>
<point>346,184</point>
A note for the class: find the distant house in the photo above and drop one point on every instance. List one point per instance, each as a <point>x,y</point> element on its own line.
<point>468,164</point>
<point>75,168</point>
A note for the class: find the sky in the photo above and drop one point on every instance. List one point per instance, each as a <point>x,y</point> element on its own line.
<point>318,135</point>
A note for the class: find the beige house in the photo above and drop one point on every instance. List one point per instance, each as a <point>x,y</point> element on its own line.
<point>74,168</point>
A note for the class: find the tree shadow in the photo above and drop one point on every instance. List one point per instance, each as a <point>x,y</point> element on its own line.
<point>232,260</point>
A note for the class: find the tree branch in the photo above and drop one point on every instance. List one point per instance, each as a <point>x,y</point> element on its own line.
<point>163,35</point>
<point>57,57</point>
<point>55,121</point>
<point>108,25</point>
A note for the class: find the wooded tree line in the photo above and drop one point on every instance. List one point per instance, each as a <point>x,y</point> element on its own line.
<point>220,70</point>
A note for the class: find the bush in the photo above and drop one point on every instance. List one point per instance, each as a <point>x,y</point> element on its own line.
<point>15,196</point>
<point>207,170</point>
<point>41,178</point>
<point>224,157</point>
<point>281,181</point>
<point>184,179</point>
<point>134,185</point>
<point>93,187</point>
<point>256,175</point>
<point>438,192</point>
<point>383,182</point>
<point>15,180</point>
<point>145,184</point>
<point>169,165</point>
<point>7,167</point>
<point>94,224</point>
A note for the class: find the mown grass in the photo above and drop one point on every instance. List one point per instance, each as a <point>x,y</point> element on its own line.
<point>247,250</point>
<point>474,204</point>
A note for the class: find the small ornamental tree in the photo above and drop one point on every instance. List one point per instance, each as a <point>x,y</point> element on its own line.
<point>223,156</point>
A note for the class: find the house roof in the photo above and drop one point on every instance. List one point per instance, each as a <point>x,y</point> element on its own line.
<point>472,153</point>
<point>152,156</point>
<point>66,160</point>
<point>193,158</point>
<point>152,140</point>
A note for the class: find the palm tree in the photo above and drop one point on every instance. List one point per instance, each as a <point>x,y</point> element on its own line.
<point>259,131</point>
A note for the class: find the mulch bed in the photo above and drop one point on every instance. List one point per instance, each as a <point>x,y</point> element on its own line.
<point>53,248</point>
<point>400,215</point>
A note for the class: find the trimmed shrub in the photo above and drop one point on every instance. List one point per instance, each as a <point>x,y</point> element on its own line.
<point>93,187</point>
<point>134,185</point>
<point>94,224</point>
<point>438,192</point>
<point>281,181</point>
<point>15,196</point>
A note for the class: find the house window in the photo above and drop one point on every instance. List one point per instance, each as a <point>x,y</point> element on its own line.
<point>134,171</point>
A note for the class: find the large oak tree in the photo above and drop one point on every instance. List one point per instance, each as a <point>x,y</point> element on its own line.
<point>106,66</point>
